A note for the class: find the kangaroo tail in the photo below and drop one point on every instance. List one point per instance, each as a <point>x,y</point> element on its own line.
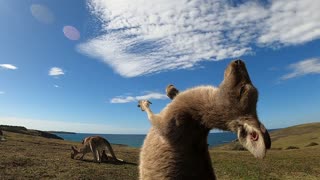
<point>112,152</point>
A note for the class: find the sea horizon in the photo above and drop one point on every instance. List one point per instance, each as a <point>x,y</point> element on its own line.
<point>136,140</point>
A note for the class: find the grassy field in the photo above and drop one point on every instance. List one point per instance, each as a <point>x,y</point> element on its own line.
<point>31,157</point>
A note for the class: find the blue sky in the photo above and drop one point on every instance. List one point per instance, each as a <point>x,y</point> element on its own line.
<point>82,65</point>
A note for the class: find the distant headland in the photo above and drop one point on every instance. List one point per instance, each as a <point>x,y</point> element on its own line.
<point>23,130</point>
<point>61,132</point>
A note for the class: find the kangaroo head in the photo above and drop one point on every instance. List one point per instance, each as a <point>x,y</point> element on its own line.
<point>240,97</point>
<point>74,151</point>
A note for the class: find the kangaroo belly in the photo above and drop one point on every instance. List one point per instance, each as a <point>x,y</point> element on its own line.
<point>155,157</point>
<point>161,160</point>
<point>101,147</point>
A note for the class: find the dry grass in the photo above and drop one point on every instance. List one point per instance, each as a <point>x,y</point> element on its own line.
<point>32,157</point>
<point>288,164</point>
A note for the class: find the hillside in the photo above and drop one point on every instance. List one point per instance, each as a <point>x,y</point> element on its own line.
<point>300,136</point>
<point>23,130</point>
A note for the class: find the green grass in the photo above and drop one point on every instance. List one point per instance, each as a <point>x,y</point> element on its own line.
<point>31,157</point>
<point>298,136</point>
<point>288,164</point>
<point>290,157</point>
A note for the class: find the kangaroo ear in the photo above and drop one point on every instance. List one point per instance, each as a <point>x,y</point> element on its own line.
<point>73,148</point>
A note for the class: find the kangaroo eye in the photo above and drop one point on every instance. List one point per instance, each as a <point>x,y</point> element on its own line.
<point>242,89</point>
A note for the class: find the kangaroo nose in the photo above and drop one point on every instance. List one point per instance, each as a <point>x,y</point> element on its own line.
<point>238,62</point>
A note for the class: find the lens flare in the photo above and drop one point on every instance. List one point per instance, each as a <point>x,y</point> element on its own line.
<point>71,33</point>
<point>41,13</point>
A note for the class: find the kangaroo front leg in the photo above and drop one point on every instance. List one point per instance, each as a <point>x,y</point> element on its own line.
<point>154,118</point>
<point>95,155</point>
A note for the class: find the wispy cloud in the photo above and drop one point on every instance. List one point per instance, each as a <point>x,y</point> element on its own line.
<point>56,86</point>
<point>141,37</point>
<point>8,66</point>
<point>291,22</point>
<point>55,71</point>
<point>127,99</point>
<point>2,92</point>
<point>308,66</point>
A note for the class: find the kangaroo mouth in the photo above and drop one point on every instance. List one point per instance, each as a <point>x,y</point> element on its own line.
<point>254,136</point>
<point>238,72</point>
<point>241,70</point>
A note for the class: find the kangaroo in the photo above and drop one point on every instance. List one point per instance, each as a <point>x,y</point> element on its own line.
<point>97,145</point>
<point>176,144</point>
<point>2,136</point>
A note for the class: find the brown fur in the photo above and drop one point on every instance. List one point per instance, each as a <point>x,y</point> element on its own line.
<point>172,91</point>
<point>97,146</point>
<point>176,145</point>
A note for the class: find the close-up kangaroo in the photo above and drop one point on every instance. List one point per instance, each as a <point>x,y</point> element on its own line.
<point>97,146</point>
<point>176,144</point>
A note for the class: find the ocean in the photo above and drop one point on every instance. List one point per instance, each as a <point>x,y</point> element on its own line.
<point>133,140</point>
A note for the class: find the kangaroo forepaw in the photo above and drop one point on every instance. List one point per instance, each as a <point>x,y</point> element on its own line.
<point>144,104</point>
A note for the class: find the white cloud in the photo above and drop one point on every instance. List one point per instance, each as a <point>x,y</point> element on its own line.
<point>308,66</point>
<point>127,99</point>
<point>56,86</point>
<point>55,71</point>
<point>2,92</point>
<point>8,66</point>
<point>141,37</point>
<point>51,125</point>
<point>122,99</point>
<point>292,22</point>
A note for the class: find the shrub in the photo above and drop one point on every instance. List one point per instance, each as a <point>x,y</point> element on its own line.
<point>292,147</point>
<point>312,144</point>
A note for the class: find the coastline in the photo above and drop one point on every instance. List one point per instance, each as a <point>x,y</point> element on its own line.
<point>136,140</point>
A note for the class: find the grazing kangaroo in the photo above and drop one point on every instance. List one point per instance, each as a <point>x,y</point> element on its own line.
<point>176,144</point>
<point>2,136</point>
<point>97,145</point>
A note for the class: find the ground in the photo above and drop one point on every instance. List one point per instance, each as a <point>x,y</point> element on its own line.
<point>32,157</point>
